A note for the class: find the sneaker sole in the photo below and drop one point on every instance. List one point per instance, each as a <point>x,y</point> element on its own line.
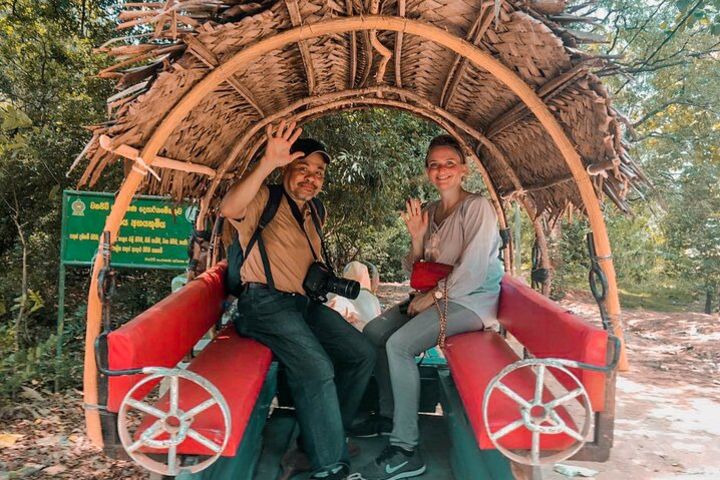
<point>411,474</point>
<point>399,476</point>
<point>371,435</point>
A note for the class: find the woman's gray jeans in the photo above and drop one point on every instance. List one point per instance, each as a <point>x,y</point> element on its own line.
<point>399,339</point>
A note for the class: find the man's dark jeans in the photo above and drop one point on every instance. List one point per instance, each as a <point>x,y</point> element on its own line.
<point>319,351</point>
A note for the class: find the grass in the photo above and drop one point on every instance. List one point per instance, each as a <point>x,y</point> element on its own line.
<point>659,298</point>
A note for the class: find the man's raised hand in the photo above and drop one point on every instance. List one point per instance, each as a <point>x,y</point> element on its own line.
<point>279,141</point>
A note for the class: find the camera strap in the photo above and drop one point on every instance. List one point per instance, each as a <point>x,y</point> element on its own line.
<point>316,220</point>
<point>301,222</point>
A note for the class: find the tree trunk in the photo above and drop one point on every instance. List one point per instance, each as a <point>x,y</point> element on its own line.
<point>555,254</point>
<point>82,19</point>
<point>708,300</point>
<point>545,261</point>
<point>19,320</point>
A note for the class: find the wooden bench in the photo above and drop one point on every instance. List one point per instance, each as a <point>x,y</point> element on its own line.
<point>240,368</point>
<point>546,330</point>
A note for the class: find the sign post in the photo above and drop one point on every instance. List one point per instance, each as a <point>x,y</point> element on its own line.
<point>154,234</point>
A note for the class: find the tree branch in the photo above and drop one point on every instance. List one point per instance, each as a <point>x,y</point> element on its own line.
<point>664,106</point>
<point>15,215</point>
<point>665,41</point>
<point>674,30</point>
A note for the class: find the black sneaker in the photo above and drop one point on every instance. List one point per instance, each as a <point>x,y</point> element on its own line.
<point>393,463</point>
<point>374,426</point>
<point>338,473</point>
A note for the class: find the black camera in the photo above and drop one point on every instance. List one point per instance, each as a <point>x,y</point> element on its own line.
<point>320,281</point>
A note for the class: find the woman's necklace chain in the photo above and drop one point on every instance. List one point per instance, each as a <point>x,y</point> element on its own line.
<point>446,213</point>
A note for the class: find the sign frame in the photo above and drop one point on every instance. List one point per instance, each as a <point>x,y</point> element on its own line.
<point>64,233</point>
<point>64,237</point>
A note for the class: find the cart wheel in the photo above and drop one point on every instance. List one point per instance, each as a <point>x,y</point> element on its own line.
<point>538,416</point>
<point>174,424</point>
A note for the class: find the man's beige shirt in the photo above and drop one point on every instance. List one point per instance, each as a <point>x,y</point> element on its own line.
<point>287,247</point>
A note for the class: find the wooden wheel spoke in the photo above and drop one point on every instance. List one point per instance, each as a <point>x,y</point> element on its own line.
<point>565,398</point>
<point>573,433</point>
<point>513,395</point>
<point>172,458</point>
<point>511,427</point>
<point>204,441</point>
<point>199,408</point>
<point>146,408</point>
<point>535,451</point>
<point>539,382</point>
<point>149,434</point>
<point>174,393</point>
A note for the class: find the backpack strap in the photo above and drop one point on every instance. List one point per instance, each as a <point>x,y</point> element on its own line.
<point>235,255</point>
<point>268,213</point>
<point>271,208</point>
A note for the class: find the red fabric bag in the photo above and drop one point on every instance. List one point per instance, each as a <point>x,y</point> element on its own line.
<point>426,275</point>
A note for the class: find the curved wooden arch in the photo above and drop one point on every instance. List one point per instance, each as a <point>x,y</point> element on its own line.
<point>241,144</point>
<point>359,23</point>
<point>435,114</point>
<point>313,113</point>
<point>431,111</point>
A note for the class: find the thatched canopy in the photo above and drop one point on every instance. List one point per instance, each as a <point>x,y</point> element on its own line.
<point>182,41</point>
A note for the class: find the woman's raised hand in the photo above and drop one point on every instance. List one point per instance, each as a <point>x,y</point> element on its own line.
<point>279,141</point>
<point>416,219</point>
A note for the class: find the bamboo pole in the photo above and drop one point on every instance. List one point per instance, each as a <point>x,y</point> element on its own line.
<point>361,23</point>
<point>131,153</point>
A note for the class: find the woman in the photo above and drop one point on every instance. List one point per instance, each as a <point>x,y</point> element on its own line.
<point>460,230</point>
<point>358,311</point>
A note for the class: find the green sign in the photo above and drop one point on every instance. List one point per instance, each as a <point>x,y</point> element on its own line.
<point>153,234</point>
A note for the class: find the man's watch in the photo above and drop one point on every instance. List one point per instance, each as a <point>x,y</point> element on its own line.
<point>438,294</point>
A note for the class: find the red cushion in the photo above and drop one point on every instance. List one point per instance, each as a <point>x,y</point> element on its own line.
<point>237,366</point>
<point>162,335</point>
<point>475,358</point>
<point>549,331</point>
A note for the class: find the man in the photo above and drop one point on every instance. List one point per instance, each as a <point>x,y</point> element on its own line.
<point>317,347</point>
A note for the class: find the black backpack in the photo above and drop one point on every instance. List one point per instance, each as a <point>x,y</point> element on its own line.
<point>235,254</point>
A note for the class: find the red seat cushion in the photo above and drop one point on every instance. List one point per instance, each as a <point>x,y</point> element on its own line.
<point>237,366</point>
<point>162,335</point>
<point>549,331</point>
<point>475,358</point>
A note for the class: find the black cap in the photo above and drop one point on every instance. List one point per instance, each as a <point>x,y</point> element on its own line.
<point>309,146</point>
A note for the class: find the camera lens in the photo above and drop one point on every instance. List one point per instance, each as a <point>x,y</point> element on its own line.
<point>345,288</point>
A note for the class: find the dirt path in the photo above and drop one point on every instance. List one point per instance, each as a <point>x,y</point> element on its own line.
<point>668,410</point>
<point>668,404</point>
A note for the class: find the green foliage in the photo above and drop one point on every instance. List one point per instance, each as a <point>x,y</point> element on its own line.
<point>32,302</point>
<point>378,162</point>
<point>672,98</point>
<point>692,226</point>
<point>669,91</point>
<point>703,12</point>
<point>48,92</point>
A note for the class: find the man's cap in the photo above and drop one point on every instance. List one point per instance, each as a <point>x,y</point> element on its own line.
<point>308,146</point>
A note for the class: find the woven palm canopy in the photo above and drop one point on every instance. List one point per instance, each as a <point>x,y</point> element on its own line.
<point>181,42</point>
<point>198,81</point>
